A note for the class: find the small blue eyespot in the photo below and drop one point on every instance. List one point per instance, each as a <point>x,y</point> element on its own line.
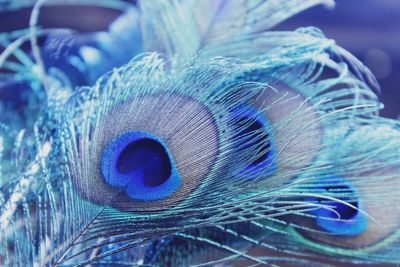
<point>140,163</point>
<point>253,134</point>
<point>351,222</point>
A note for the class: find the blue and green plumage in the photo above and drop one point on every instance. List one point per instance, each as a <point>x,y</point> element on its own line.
<point>214,141</point>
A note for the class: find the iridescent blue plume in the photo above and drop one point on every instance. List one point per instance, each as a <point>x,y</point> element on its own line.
<point>190,134</point>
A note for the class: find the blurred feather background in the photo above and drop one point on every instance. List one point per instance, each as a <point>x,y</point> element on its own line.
<point>369,29</point>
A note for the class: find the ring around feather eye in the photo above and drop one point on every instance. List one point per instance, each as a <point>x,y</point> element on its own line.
<point>381,223</point>
<point>147,153</point>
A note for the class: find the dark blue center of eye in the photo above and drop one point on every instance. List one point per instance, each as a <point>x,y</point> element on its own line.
<point>254,139</point>
<point>341,219</point>
<point>346,212</point>
<point>141,165</point>
<point>147,156</point>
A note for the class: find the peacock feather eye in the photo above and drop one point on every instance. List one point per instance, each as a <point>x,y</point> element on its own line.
<point>254,132</point>
<point>294,126</point>
<point>154,148</point>
<point>352,219</point>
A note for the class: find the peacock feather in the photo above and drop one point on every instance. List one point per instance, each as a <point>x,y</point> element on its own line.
<point>189,133</point>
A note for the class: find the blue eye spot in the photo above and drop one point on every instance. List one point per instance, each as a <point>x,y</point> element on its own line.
<point>254,138</point>
<point>149,157</point>
<point>351,221</point>
<point>140,163</point>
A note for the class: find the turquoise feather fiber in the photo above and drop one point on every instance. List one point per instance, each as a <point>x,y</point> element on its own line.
<point>190,133</point>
